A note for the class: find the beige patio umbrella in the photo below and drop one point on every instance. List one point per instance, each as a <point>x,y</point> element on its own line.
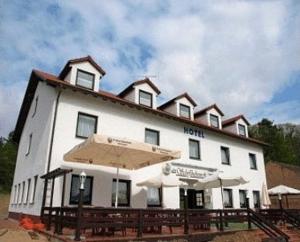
<point>265,196</point>
<point>161,181</point>
<point>120,153</point>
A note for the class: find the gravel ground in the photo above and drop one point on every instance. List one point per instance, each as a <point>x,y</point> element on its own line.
<point>238,237</point>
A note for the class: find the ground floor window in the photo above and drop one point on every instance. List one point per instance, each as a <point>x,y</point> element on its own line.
<point>154,197</point>
<point>256,199</point>
<point>123,194</point>
<point>243,198</point>
<point>195,198</point>
<point>227,196</point>
<point>88,190</point>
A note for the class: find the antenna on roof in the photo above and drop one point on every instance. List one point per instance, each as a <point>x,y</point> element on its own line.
<point>146,76</point>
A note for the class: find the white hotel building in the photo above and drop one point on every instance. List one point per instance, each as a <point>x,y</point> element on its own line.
<point>59,112</point>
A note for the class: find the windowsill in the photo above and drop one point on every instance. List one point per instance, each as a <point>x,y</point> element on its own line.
<point>194,158</point>
<point>87,88</point>
<point>145,105</point>
<point>226,164</point>
<point>80,137</point>
<point>254,169</point>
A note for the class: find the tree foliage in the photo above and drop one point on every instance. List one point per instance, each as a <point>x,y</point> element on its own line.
<point>283,140</point>
<point>8,155</point>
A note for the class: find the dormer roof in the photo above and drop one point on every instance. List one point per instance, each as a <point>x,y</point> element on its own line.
<point>187,96</point>
<point>131,86</point>
<point>234,119</point>
<point>88,58</point>
<point>203,111</point>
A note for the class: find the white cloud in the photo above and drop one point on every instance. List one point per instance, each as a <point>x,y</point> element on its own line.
<point>238,54</point>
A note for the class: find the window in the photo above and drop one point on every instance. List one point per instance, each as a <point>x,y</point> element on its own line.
<point>184,111</point>
<point>154,197</point>
<point>199,195</point>
<point>242,130</point>
<point>194,149</point>
<point>35,106</point>
<point>151,136</point>
<point>19,193</point>
<point>256,199</point>
<point>28,190</point>
<point>243,198</point>
<point>124,193</point>
<point>86,125</point>
<point>214,120</point>
<point>227,196</point>
<point>145,98</point>
<point>252,159</point>
<point>225,155</point>
<point>29,144</point>
<point>85,79</point>
<point>23,191</point>
<point>88,190</point>
<point>34,189</point>
<point>15,195</point>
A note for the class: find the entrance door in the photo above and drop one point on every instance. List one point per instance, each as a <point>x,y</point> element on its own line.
<point>195,198</point>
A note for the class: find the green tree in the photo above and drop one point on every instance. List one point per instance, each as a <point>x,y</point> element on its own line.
<point>8,155</point>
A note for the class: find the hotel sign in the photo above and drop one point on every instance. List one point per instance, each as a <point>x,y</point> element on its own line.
<point>194,132</point>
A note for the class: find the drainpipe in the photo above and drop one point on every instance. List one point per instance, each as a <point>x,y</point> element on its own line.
<point>52,131</point>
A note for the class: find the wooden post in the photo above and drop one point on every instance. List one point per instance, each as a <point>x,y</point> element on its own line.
<point>44,198</point>
<point>51,203</point>
<point>248,213</point>
<point>79,214</point>
<point>221,220</point>
<point>186,215</point>
<point>62,204</point>
<point>140,224</point>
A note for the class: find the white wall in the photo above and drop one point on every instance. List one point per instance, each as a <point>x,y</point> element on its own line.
<point>28,166</point>
<point>120,121</point>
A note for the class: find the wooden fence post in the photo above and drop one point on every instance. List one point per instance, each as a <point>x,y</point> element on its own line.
<point>221,221</point>
<point>140,223</point>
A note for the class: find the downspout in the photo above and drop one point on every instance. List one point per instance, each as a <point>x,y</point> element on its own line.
<point>53,131</point>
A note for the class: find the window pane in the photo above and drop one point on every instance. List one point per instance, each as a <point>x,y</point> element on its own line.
<point>152,137</point>
<point>153,196</point>
<point>256,199</point>
<point>227,196</point>
<point>242,198</point>
<point>85,79</point>
<point>87,194</point>
<point>184,111</point>
<point>225,155</point>
<point>194,149</point>
<point>252,158</point>
<point>145,98</point>
<point>123,196</point>
<point>86,125</point>
<point>242,130</point>
<point>214,121</point>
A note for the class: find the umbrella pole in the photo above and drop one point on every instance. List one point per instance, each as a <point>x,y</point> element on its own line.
<point>117,189</point>
<point>221,185</point>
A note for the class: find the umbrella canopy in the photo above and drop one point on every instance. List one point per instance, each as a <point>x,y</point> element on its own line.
<point>265,196</point>
<point>282,189</point>
<point>160,181</point>
<point>119,152</point>
<point>219,180</point>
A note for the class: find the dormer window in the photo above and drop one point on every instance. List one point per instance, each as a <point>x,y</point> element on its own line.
<point>242,130</point>
<point>145,98</point>
<point>85,79</point>
<point>184,111</point>
<point>214,121</point>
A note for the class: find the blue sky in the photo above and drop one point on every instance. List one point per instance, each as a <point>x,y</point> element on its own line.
<point>242,55</point>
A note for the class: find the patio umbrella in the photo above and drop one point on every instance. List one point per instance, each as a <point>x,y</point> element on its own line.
<point>160,181</point>
<point>119,153</point>
<point>219,180</point>
<point>265,196</point>
<point>283,190</point>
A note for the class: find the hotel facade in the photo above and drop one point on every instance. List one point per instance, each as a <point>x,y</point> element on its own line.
<point>60,111</point>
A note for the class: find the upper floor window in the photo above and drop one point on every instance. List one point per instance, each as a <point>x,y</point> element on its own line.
<point>184,111</point>
<point>28,189</point>
<point>256,199</point>
<point>29,145</point>
<point>227,195</point>
<point>214,120</point>
<point>145,98</point>
<point>88,188</point>
<point>154,197</point>
<point>35,106</point>
<point>151,136</point>
<point>34,189</point>
<point>194,149</point>
<point>252,159</point>
<point>123,194</point>
<point>225,155</point>
<point>85,79</point>
<point>242,130</point>
<point>243,198</point>
<point>86,125</point>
